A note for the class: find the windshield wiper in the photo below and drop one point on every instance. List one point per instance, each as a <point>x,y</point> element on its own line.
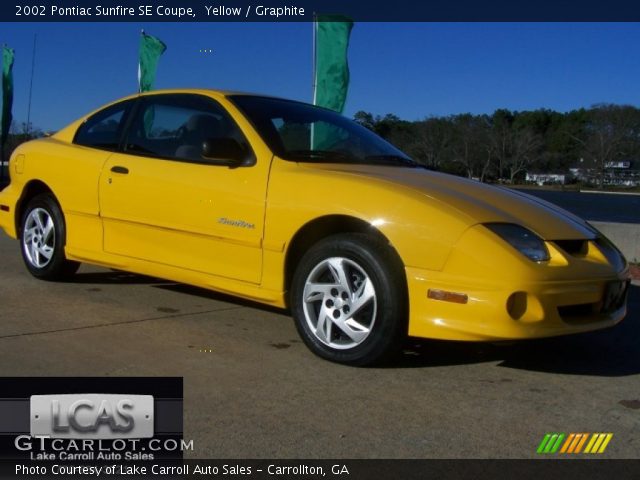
<point>334,156</point>
<point>319,155</point>
<point>394,160</point>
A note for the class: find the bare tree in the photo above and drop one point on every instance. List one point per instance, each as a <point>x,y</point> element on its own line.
<point>501,138</point>
<point>472,147</point>
<point>431,142</point>
<point>525,149</point>
<point>611,133</point>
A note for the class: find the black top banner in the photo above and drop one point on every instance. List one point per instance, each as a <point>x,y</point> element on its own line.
<point>305,10</point>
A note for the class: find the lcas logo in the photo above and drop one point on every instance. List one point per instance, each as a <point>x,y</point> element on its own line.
<point>97,416</point>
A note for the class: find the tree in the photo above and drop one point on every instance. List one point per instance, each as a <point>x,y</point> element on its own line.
<point>432,139</point>
<point>611,133</point>
<point>508,143</point>
<point>525,149</point>
<point>560,140</point>
<point>387,125</point>
<point>501,123</point>
<point>20,133</point>
<point>365,119</point>
<point>472,147</point>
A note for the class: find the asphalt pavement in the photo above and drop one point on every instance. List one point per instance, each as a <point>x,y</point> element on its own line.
<point>252,390</point>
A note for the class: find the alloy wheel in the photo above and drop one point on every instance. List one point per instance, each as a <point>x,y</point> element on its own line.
<point>339,303</point>
<point>39,238</point>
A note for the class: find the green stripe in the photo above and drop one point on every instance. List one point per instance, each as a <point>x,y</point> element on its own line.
<point>558,443</point>
<point>550,443</point>
<point>543,443</point>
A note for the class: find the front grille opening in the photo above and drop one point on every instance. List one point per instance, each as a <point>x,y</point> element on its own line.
<point>581,313</point>
<point>577,248</point>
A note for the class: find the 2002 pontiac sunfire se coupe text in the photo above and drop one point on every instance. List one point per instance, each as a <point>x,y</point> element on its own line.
<point>295,206</point>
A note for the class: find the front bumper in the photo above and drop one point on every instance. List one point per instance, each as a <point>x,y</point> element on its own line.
<point>533,310</point>
<point>506,296</point>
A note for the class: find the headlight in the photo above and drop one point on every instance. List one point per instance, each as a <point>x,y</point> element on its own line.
<point>522,239</point>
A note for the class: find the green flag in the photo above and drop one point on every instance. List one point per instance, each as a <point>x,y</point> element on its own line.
<point>7,93</point>
<point>150,50</point>
<point>331,68</point>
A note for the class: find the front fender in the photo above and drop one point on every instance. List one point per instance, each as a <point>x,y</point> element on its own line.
<point>422,230</point>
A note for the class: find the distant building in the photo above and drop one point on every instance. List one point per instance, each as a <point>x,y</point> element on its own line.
<point>620,173</point>
<point>620,164</point>
<point>547,178</point>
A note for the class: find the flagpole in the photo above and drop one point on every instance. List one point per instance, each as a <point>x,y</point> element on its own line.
<point>313,80</point>
<point>2,139</point>
<point>313,56</point>
<point>33,67</point>
<point>139,72</point>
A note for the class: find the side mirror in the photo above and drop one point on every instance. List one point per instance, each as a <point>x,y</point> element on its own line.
<point>224,151</point>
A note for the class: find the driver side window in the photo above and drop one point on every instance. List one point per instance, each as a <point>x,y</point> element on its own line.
<point>174,127</point>
<point>296,135</point>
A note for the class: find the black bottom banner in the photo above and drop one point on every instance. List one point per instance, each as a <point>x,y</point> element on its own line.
<point>317,469</point>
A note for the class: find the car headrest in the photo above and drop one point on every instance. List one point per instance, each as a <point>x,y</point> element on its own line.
<point>201,127</point>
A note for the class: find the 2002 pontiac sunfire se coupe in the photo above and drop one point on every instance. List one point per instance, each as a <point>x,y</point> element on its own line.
<point>295,206</point>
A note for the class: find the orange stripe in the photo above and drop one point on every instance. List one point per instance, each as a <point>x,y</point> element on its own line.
<point>574,443</point>
<point>567,442</point>
<point>584,439</point>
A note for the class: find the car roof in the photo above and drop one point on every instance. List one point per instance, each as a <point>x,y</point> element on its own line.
<point>67,133</point>
<point>206,91</point>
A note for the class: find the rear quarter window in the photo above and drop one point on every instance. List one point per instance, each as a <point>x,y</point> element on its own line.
<point>103,130</point>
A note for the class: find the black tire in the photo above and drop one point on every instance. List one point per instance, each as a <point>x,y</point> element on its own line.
<point>44,257</point>
<point>381,321</point>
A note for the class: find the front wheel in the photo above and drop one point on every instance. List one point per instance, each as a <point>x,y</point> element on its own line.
<point>349,300</point>
<point>42,240</point>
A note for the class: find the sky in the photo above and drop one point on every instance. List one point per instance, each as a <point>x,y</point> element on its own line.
<point>413,70</point>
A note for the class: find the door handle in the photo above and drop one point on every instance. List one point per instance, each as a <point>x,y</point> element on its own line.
<point>119,169</point>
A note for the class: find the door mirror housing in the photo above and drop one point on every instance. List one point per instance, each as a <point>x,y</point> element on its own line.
<point>224,151</point>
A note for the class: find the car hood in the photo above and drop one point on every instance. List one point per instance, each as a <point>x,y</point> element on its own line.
<point>479,202</point>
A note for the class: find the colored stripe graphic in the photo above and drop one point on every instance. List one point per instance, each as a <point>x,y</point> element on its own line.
<point>543,443</point>
<point>605,443</point>
<point>568,442</point>
<point>591,442</point>
<point>576,439</point>
<point>551,443</point>
<point>581,443</point>
<point>598,442</point>
<point>574,443</point>
<point>556,446</point>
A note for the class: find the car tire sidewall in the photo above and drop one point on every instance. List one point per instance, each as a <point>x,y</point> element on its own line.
<point>377,260</point>
<point>59,267</point>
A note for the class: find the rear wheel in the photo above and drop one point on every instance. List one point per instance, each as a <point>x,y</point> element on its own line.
<point>348,299</point>
<point>42,240</point>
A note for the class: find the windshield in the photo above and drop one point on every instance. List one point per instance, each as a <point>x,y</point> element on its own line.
<point>304,133</point>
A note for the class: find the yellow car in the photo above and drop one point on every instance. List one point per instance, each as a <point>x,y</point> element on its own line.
<point>295,206</point>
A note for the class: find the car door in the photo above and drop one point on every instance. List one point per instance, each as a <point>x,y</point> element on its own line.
<point>162,202</point>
